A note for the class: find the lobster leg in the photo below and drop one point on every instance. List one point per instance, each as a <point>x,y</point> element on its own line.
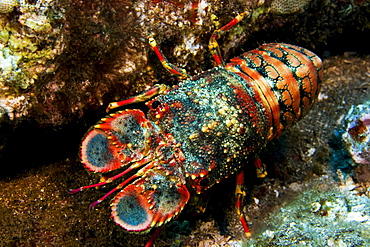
<point>154,236</point>
<point>169,66</point>
<point>213,45</point>
<point>145,96</point>
<point>260,168</point>
<point>240,193</point>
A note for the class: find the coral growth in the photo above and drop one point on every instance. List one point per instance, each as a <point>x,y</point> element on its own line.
<point>357,135</point>
<point>29,40</point>
<point>321,216</point>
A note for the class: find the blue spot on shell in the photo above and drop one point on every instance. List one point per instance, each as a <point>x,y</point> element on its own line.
<point>98,153</point>
<point>130,212</point>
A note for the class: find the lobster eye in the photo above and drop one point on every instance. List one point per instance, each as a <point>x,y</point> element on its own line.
<point>155,104</point>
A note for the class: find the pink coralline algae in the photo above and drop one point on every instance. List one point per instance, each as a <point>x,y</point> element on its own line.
<point>357,135</point>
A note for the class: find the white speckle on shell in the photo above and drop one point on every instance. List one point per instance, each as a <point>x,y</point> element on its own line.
<point>7,6</point>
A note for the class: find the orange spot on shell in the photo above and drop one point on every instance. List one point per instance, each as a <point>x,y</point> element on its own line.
<point>302,71</point>
<point>287,98</point>
<point>293,61</point>
<point>272,72</point>
<point>256,60</point>
<point>277,52</point>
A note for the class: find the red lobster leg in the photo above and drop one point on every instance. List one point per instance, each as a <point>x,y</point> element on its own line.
<point>167,65</point>
<point>213,45</point>
<point>154,236</point>
<point>145,96</point>
<point>240,193</point>
<point>260,168</point>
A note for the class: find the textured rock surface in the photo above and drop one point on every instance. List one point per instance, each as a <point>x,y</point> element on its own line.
<point>357,134</point>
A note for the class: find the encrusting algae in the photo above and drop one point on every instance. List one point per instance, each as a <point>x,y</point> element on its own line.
<point>28,41</point>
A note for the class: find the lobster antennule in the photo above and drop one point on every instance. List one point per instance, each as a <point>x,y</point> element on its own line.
<point>151,200</point>
<point>120,138</point>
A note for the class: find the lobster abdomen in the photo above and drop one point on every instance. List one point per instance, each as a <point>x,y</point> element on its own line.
<point>287,78</point>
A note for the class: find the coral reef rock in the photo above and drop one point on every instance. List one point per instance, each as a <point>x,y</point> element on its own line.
<point>320,217</point>
<point>357,135</point>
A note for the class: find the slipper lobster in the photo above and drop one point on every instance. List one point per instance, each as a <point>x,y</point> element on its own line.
<point>200,131</point>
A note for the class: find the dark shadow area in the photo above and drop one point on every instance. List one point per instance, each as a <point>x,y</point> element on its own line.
<point>29,146</point>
